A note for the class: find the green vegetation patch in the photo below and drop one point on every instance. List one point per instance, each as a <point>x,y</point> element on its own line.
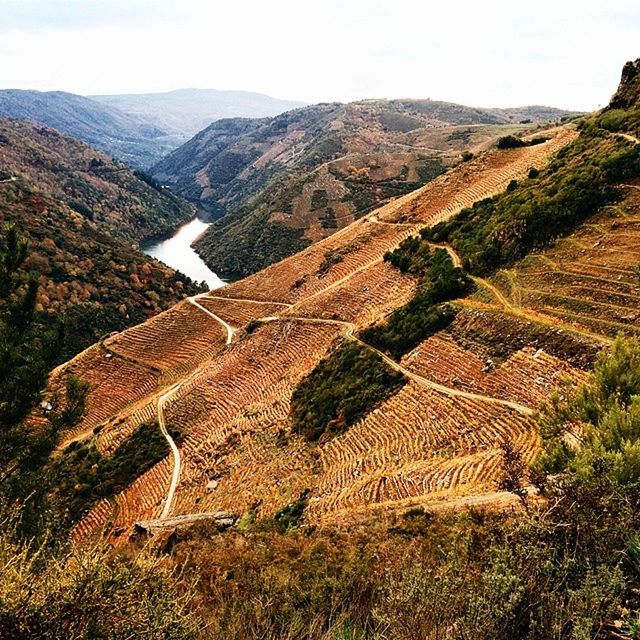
<point>342,388</point>
<point>581,179</point>
<point>82,475</point>
<point>424,314</point>
<point>607,408</point>
<point>319,199</point>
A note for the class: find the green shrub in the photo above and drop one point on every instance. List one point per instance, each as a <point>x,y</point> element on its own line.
<point>510,142</point>
<point>424,314</point>
<point>82,476</point>
<point>583,178</point>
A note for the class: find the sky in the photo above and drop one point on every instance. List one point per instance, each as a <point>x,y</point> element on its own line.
<point>564,53</point>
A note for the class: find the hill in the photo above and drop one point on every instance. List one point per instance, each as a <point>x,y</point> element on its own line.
<point>431,439</point>
<point>279,184</point>
<point>82,215</point>
<point>184,112</point>
<point>370,372</point>
<point>424,425</point>
<point>137,142</point>
<point>123,201</point>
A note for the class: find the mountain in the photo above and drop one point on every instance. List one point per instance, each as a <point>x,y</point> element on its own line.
<point>135,141</point>
<point>381,367</point>
<point>137,129</point>
<point>425,425</point>
<point>628,94</point>
<point>83,214</point>
<point>184,112</point>
<point>281,183</point>
<point>103,190</point>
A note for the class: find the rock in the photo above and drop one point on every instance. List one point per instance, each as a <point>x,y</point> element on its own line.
<point>628,93</point>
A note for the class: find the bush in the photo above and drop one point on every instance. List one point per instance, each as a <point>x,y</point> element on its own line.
<point>82,476</point>
<point>91,594</point>
<point>500,230</point>
<point>510,142</point>
<point>422,316</point>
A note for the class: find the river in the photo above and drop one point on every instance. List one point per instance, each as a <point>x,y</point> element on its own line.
<point>178,253</point>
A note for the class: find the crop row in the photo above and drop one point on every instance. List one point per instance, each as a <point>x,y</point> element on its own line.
<point>322,265</point>
<point>174,341</point>
<point>238,313</point>
<point>528,376</point>
<point>481,178</point>
<point>114,384</point>
<point>368,296</point>
<point>420,429</point>
<point>235,409</point>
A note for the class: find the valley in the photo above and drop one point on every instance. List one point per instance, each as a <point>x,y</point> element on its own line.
<point>359,366</point>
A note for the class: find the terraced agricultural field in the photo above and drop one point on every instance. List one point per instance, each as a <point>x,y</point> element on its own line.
<point>363,243</point>
<point>239,400</point>
<point>588,279</point>
<point>427,444</point>
<point>419,443</point>
<point>238,313</point>
<point>528,376</point>
<point>322,265</point>
<point>174,342</point>
<point>115,385</point>
<point>480,178</point>
<point>367,296</point>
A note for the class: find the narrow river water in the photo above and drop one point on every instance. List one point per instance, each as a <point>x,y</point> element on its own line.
<point>178,253</point>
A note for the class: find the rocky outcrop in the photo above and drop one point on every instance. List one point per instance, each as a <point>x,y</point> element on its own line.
<point>628,93</point>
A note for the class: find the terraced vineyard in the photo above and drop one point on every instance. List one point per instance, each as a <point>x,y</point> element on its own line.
<point>116,384</point>
<point>239,313</point>
<point>363,298</point>
<point>418,443</point>
<point>589,279</point>
<point>528,376</point>
<point>173,342</point>
<point>438,439</point>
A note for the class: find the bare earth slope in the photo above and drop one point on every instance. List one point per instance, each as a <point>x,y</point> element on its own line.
<point>436,442</point>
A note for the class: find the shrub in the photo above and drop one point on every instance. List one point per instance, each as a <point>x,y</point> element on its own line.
<point>423,315</point>
<point>91,594</point>
<point>510,142</point>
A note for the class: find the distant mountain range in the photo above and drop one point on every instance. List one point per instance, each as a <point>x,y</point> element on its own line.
<point>138,129</point>
<point>278,184</point>
<point>184,112</point>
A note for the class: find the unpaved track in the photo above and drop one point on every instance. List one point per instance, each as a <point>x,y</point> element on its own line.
<point>168,395</point>
<point>230,330</point>
<point>349,334</point>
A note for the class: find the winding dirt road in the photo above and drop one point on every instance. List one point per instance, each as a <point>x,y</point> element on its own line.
<point>168,395</point>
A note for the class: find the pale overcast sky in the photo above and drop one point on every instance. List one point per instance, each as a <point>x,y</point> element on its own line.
<point>566,53</point>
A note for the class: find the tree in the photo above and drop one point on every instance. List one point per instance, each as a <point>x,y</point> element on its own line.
<point>513,472</point>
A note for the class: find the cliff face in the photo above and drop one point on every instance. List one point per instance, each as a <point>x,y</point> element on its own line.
<point>628,93</point>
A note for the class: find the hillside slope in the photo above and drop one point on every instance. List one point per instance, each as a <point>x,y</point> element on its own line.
<point>434,441</point>
<point>82,215</point>
<point>138,142</point>
<point>100,189</point>
<point>184,112</point>
<point>281,183</point>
